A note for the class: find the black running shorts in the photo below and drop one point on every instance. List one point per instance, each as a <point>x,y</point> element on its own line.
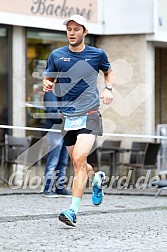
<point>93,126</point>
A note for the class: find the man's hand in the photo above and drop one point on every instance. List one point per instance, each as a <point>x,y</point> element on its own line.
<point>106,96</point>
<point>47,85</point>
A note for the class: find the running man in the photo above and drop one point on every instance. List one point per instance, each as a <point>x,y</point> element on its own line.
<point>71,73</point>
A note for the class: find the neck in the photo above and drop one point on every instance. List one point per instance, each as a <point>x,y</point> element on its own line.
<point>78,48</point>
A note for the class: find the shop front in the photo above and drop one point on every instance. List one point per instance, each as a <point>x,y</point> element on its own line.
<point>5,77</point>
<point>30,30</point>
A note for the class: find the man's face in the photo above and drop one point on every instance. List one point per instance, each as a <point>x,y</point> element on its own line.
<point>75,33</point>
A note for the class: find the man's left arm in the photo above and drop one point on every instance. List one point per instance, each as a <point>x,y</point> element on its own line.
<point>107,95</point>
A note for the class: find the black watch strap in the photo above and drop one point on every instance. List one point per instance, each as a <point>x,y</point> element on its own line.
<point>108,87</point>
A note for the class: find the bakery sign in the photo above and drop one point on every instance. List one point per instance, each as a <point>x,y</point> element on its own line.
<point>52,8</point>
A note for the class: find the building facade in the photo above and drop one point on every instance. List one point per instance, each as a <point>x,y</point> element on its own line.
<point>133,34</point>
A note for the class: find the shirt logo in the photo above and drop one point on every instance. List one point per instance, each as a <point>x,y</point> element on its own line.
<point>65,59</point>
<point>87,59</point>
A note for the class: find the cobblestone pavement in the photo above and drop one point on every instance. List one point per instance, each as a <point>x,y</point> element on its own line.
<point>28,222</point>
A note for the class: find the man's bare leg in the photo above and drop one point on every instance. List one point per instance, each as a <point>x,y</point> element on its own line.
<point>90,171</point>
<point>79,155</point>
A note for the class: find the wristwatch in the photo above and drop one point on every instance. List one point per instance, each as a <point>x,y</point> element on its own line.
<point>108,87</point>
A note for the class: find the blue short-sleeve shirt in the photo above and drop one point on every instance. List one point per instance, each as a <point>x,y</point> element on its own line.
<point>76,74</point>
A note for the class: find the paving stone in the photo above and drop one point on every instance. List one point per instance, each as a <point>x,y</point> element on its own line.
<point>29,222</point>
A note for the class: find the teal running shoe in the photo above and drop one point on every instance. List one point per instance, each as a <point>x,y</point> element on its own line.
<point>68,217</point>
<point>97,191</point>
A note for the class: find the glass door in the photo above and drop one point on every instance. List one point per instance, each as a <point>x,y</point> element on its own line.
<point>5,79</point>
<point>161,85</point>
<point>39,45</point>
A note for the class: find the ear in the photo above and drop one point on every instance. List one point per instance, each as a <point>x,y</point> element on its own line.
<point>85,33</point>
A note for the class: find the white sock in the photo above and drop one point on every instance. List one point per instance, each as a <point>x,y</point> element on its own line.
<point>75,204</point>
<point>96,180</point>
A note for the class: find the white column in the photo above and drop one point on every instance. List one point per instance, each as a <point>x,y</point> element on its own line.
<point>19,79</point>
<point>150,80</point>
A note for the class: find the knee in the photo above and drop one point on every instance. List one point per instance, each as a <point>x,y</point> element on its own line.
<point>78,160</point>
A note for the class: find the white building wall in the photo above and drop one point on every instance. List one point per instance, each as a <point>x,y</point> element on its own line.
<point>128,16</point>
<point>104,17</point>
<point>132,110</point>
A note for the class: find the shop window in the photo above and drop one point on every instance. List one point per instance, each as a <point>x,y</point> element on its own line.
<point>161,85</point>
<point>5,79</point>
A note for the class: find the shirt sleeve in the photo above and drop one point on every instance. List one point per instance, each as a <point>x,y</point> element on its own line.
<point>104,62</point>
<point>50,70</point>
